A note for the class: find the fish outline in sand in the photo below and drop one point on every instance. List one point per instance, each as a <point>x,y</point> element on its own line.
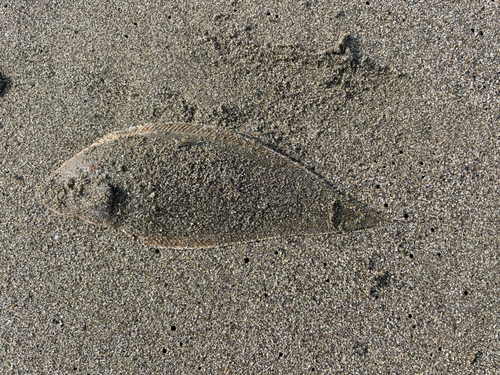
<point>192,186</point>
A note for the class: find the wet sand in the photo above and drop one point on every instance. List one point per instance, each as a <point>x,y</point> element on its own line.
<point>395,103</point>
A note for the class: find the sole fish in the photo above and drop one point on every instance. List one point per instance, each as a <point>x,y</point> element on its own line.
<point>188,186</point>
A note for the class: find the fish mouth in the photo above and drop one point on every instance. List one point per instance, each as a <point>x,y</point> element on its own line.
<point>51,193</point>
<point>59,186</point>
<point>92,203</point>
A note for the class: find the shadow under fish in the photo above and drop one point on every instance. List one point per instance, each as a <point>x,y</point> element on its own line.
<point>188,186</point>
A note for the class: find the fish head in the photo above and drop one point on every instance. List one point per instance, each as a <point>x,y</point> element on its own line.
<point>80,188</point>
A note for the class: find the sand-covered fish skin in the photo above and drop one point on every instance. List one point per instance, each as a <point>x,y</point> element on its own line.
<point>179,185</point>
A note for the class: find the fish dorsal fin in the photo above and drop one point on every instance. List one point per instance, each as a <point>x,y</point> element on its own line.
<point>155,129</point>
<point>179,128</point>
<point>159,128</point>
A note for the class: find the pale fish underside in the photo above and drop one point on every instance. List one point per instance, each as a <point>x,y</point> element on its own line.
<point>188,186</point>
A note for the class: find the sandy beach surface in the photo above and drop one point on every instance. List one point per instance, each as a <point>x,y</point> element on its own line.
<point>395,103</point>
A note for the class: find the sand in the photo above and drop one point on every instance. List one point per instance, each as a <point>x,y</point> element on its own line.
<point>393,102</point>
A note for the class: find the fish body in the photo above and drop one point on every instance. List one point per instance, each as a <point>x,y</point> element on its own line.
<point>187,186</point>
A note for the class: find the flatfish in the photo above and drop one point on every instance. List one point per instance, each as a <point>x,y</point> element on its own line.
<point>189,186</point>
